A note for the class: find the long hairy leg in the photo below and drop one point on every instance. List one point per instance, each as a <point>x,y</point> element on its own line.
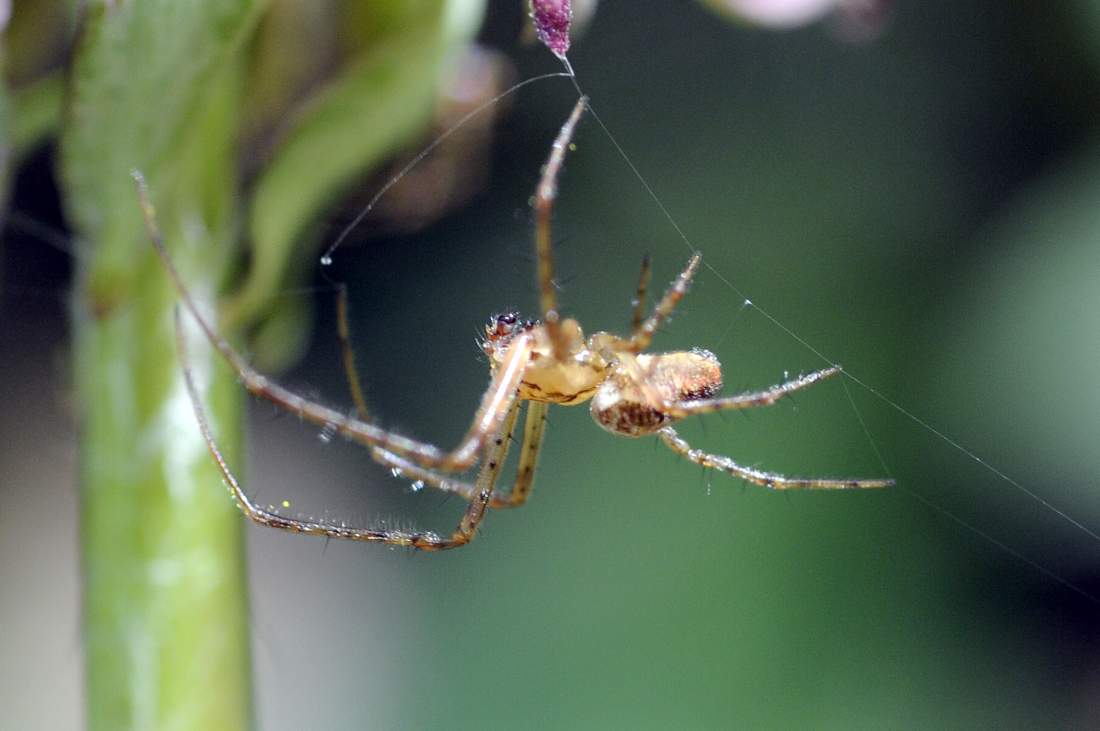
<point>463,533</point>
<point>545,194</point>
<point>640,295</point>
<point>533,431</point>
<point>351,371</point>
<point>642,334</point>
<point>487,421</point>
<point>770,480</point>
<point>750,399</point>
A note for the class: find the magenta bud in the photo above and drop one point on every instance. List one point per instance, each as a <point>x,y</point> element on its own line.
<point>552,19</point>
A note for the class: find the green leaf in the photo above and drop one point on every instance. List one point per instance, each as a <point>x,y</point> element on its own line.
<point>379,103</point>
<point>36,113</point>
<point>36,39</point>
<point>139,76</point>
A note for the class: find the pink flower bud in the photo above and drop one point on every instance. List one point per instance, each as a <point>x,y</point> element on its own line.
<point>552,19</point>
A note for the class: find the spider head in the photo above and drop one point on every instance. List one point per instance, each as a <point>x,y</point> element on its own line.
<point>500,329</point>
<point>501,326</point>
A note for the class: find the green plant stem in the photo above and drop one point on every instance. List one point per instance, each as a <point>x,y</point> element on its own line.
<point>156,85</point>
<point>166,632</point>
<point>164,603</point>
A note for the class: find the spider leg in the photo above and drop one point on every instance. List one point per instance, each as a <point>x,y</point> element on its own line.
<point>490,415</point>
<point>463,533</point>
<point>534,428</point>
<point>770,480</point>
<point>351,372</point>
<point>351,375</point>
<point>533,431</point>
<point>643,333</point>
<point>545,194</point>
<point>749,400</point>
<point>640,294</point>
<point>410,470</point>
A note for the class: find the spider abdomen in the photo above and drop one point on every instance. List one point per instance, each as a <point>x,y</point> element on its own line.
<point>625,415</point>
<point>683,375</point>
<point>630,402</point>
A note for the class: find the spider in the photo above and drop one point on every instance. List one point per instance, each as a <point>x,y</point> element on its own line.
<point>540,362</point>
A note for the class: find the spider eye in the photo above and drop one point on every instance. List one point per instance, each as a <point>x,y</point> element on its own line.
<point>501,326</point>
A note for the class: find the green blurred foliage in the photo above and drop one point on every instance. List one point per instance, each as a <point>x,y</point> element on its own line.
<point>161,87</point>
<point>154,86</point>
<point>920,209</point>
<point>851,192</point>
<point>37,37</point>
<point>388,89</point>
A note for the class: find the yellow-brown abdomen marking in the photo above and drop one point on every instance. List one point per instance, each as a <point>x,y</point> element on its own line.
<point>621,405</point>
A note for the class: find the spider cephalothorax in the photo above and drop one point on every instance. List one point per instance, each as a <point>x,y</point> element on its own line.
<point>628,391</point>
<point>561,369</point>
<point>501,328</point>
<point>534,363</point>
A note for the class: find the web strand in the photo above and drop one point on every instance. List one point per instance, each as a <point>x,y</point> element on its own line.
<point>939,434</point>
<point>956,445</point>
<point>948,514</point>
<point>326,258</point>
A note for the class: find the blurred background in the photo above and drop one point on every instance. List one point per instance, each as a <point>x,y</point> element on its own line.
<point>911,191</point>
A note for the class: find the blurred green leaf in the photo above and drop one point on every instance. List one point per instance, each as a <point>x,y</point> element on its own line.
<point>293,48</point>
<point>1042,281</point>
<point>36,113</point>
<point>138,78</point>
<point>364,25</point>
<point>377,104</point>
<point>39,32</point>
<point>280,340</point>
